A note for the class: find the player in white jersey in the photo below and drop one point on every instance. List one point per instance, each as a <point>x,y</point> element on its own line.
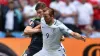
<point>52,31</point>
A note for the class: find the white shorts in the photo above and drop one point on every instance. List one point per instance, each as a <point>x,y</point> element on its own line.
<point>43,52</point>
<point>63,47</point>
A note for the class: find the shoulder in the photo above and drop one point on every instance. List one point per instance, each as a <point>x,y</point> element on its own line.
<point>62,3</point>
<point>32,19</point>
<point>35,19</point>
<point>58,23</point>
<point>53,3</point>
<point>27,7</point>
<point>72,5</point>
<point>88,4</point>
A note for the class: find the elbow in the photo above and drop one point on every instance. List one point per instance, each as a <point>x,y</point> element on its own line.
<point>26,32</point>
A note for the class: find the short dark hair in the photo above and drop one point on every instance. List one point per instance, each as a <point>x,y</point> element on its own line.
<point>40,5</point>
<point>51,12</point>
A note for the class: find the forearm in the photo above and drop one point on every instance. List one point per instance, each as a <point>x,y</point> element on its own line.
<point>76,35</point>
<point>66,31</point>
<point>71,15</point>
<point>29,30</point>
<point>76,20</point>
<point>91,20</point>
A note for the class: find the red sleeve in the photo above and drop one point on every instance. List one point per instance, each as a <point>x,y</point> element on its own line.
<point>93,2</point>
<point>4,2</point>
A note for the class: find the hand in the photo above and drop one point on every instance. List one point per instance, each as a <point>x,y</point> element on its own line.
<point>64,15</point>
<point>62,39</point>
<point>83,38</point>
<point>78,36</point>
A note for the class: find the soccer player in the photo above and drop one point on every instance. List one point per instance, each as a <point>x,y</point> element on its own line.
<point>52,31</point>
<point>36,40</point>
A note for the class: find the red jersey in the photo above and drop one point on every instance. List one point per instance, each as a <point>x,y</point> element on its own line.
<point>96,11</point>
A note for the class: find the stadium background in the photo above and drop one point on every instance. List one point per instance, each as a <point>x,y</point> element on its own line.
<point>15,46</point>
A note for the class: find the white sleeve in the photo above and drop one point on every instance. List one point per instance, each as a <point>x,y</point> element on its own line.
<point>91,10</point>
<point>51,5</point>
<point>29,11</point>
<point>25,10</point>
<point>65,30</point>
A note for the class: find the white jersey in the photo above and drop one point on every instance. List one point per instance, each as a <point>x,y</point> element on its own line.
<point>52,34</point>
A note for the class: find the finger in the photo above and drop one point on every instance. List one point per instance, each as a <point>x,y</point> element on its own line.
<point>84,38</point>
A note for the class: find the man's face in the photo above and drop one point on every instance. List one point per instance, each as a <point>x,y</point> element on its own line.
<point>34,1</point>
<point>47,17</point>
<point>40,13</point>
<point>83,1</point>
<point>67,1</point>
<point>11,5</point>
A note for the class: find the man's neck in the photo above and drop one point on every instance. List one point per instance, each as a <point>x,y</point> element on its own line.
<point>67,3</point>
<point>32,4</point>
<point>51,22</point>
<point>83,2</point>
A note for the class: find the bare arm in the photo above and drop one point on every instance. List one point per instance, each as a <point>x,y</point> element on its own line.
<point>76,19</point>
<point>91,20</point>
<point>77,36</point>
<point>29,30</point>
<point>69,15</point>
<point>66,31</point>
